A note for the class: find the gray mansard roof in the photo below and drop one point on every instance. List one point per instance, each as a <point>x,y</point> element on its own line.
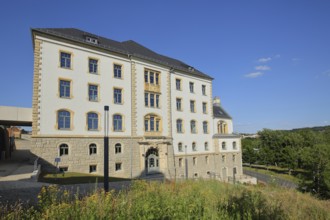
<point>219,112</point>
<point>129,48</point>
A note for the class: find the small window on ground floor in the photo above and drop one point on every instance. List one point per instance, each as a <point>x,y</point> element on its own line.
<point>118,166</point>
<point>92,168</point>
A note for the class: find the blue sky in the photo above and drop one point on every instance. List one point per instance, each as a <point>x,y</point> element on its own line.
<point>270,58</point>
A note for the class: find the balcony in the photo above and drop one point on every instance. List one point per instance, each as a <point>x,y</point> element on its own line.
<point>152,87</point>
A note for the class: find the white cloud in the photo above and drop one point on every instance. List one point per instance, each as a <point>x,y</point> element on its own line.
<point>264,59</point>
<point>254,75</point>
<point>263,68</point>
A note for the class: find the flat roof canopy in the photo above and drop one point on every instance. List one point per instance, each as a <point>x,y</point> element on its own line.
<point>15,116</point>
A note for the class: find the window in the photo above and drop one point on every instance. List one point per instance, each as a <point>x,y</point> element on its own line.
<point>117,71</point>
<point>191,87</point>
<point>179,126</point>
<point>157,101</point>
<point>65,89</point>
<point>222,127</point>
<point>117,123</point>
<point>92,168</point>
<point>118,148</point>
<point>234,145</point>
<point>206,146</point>
<point>178,84</point>
<point>151,100</point>
<point>207,159</point>
<point>192,106</point>
<point>151,123</point>
<point>193,126</point>
<point>146,76</point>
<point>65,60</point>
<point>93,92</point>
<point>151,77</point>
<point>234,158</point>
<point>117,96</point>
<point>92,66</point>
<point>64,119</point>
<point>193,146</point>
<point>194,161</point>
<point>180,162</point>
<point>118,166</point>
<point>223,145</point>
<point>91,40</point>
<point>204,89</point>
<point>92,149</point>
<point>180,147</point>
<point>178,104</point>
<point>157,79</point>
<point>205,127</point>
<point>64,149</point>
<point>223,158</point>
<point>204,107</point>
<point>92,121</point>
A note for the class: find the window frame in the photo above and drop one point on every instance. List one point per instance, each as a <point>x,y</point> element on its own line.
<point>181,130</point>
<point>65,66</point>
<point>93,121</point>
<point>63,150</point>
<point>118,148</point>
<point>115,71</point>
<point>115,96</point>
<point>59,88</point>
<point>91,97</point>
<point>114,126</point>
<point>93,68</point>
<point>178,88</point>
<point>58,118</point>
<point>92,149</point>
<point>192,106</point>
<point>204,107</point>
<point>193,129</point>
<point>180,103</point>
<point>191,87</point>
<point>118,166</point>
<point>205,127</point>
<point>204,90</point>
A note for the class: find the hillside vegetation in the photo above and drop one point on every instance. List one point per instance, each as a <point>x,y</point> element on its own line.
<point>185,200</point>
<point>304,153</point>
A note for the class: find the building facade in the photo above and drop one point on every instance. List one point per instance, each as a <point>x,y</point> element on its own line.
<point>162,115</point>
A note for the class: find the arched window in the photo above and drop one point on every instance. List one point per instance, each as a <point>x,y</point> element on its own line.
<point>193,146</point>
<point>117,122</point>
<point>234,145</point>
<point>92,149</point>
<point>223,145</point>
<point>180,147</point>
<point>222,127</point>
<point>206,146</point>
<point>92,121</point>
<point>152,123</point>
<point>64,119</point>
<point>193,126</point>
<point>205,127</point>
<point>64,149</point>
<point>118,148</point>
<point>179,126</point>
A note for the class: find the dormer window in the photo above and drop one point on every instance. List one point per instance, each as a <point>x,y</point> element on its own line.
<point>91,40</point>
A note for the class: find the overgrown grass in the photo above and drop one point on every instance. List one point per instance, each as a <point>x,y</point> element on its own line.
<point>184,200</point>
<point>74,178</point>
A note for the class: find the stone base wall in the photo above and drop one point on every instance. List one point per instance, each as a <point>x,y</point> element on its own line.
<point>209,165</point>
<point>132,158</point>
<point>80,160</point>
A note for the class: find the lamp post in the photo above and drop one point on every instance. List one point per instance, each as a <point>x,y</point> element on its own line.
<point>106,148</point>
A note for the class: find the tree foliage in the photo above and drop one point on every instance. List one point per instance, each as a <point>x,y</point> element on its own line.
<point>305,149</point>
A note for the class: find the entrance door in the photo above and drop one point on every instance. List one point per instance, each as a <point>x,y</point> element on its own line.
<point>152,161</point>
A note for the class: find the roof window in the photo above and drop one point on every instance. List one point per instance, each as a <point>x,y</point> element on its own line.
<point>91,40</point>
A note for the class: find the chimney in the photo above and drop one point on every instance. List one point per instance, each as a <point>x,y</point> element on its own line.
<point>216,101</point>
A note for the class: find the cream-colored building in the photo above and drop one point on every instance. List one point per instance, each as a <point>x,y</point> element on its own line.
<point>162,115</point>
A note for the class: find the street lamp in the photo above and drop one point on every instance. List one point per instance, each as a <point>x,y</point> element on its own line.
<point>106,148</point>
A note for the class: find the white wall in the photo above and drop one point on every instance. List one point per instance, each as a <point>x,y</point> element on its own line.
<point>79,104</point>
<point>187,138</point>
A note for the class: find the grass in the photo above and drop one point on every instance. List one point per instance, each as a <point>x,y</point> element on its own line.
<point>185,200</point>
<point>74,178</point>
<point>283,176</point>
